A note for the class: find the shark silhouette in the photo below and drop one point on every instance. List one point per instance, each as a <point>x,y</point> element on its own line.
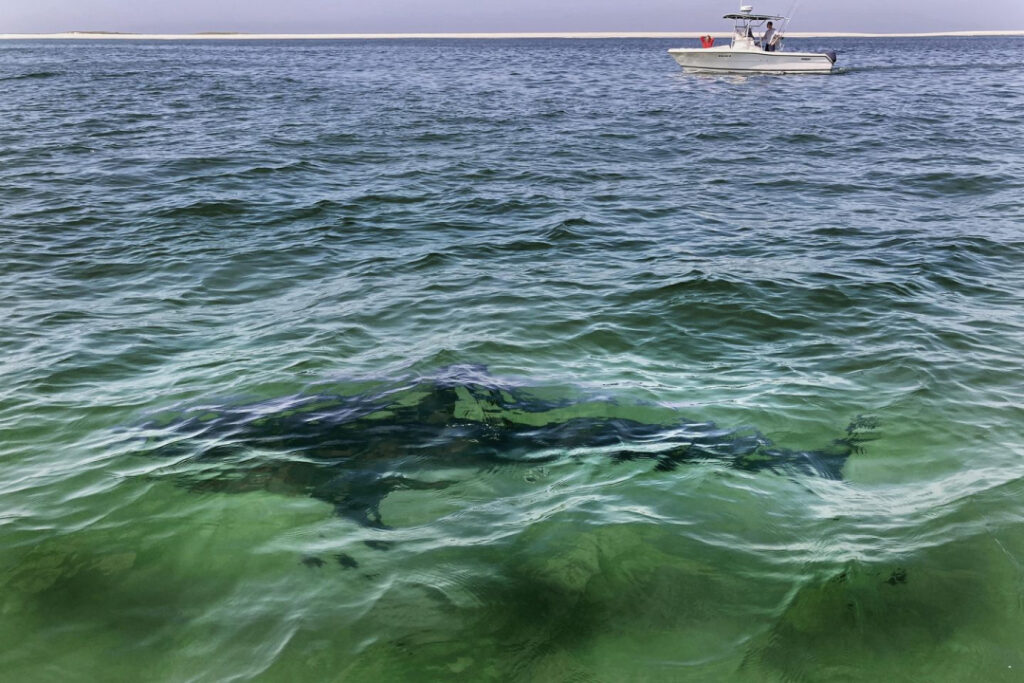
<point>352,451</point>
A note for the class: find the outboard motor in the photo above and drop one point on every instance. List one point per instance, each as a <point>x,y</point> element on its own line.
<point>831,54</point>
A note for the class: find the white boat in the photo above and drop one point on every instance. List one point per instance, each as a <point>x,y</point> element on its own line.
<point>749,51</point>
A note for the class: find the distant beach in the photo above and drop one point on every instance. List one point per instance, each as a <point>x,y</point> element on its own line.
<point>226,35</point>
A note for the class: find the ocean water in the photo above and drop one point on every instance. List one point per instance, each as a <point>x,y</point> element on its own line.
<point>510,361</point>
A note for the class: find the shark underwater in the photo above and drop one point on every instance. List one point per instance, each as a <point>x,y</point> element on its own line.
<point>352,451</point>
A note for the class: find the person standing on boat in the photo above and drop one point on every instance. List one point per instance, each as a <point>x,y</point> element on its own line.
<point>768,39</point>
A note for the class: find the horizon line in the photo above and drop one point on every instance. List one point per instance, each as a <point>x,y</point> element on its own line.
<point>233,35</point>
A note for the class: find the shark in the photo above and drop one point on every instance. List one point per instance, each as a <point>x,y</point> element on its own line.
<point>352,451</point>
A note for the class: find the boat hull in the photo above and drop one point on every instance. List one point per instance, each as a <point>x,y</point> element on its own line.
<point>744,61</point>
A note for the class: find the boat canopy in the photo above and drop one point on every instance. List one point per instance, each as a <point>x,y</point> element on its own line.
<point>754,17</point>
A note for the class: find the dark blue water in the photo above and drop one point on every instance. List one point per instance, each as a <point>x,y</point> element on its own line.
<point>510,360</point>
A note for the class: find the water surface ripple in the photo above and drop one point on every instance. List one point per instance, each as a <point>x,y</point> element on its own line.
<point>510,360</point>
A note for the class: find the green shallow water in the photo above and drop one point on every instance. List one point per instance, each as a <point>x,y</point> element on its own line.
<point>509,360</point>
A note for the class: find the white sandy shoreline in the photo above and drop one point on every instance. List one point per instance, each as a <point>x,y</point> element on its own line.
<point>87,35</point>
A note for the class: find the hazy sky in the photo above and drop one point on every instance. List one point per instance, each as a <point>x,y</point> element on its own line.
<point>395,16</point>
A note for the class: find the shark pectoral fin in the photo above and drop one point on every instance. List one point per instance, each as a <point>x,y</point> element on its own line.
<point>361,514</point>
<point>363,508</point>
<point>358,497</point>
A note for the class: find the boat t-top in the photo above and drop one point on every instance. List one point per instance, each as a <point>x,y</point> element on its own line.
<point>756,46</point>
